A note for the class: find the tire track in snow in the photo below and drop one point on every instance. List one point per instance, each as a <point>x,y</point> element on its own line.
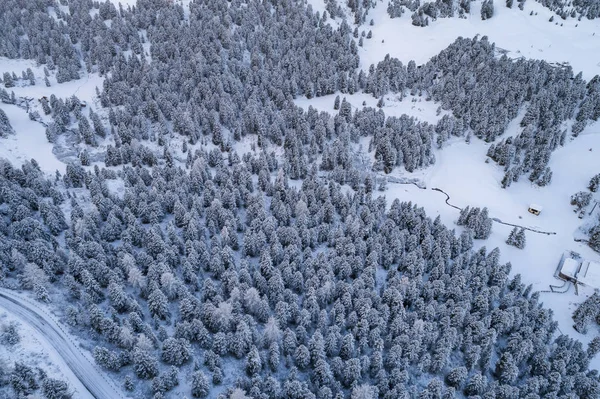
<point>398,181</point>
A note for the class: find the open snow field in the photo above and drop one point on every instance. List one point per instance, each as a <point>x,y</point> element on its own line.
<point>393,106</point>
<point>521,34</point>
<point>29,142</point>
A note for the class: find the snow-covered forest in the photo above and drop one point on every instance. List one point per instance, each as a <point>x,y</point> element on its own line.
<point>206,236</point>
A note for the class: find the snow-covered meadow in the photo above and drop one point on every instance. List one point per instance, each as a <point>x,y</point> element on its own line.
<point>84,88</point>
<point>28,142</point>
<point>517,32</point>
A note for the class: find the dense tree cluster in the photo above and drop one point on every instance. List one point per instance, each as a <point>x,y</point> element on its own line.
<point>486,92</point>
<point>9,334</point>
<point>5,127</point>
<point>582,200</point>
<point>594,183</point>
<point>517,238</point>
<point>587,313</point>
<point>477,221</point>
<point>30,32</point>
<point>304,290</point>
<point>487,9</point>
<point>589,9</point>
<point>311,290</point>
<point>19,380</point>
<point>590,106</point>
<point>30,220</point>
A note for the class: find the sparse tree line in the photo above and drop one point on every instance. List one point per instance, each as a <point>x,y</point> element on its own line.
<point>430,11</point>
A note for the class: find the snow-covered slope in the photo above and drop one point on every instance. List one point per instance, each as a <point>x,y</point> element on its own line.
<point>518,32</point>
<point>29,141</point>
<point>84,88</point>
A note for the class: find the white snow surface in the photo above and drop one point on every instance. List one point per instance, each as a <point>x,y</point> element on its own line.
<point>589,274</point>
<point>84,88</point>
<point>393,106</point>
<point>570,267</point>
<point>317,6</point>
<point>29,141</point>
<point>521,34</point>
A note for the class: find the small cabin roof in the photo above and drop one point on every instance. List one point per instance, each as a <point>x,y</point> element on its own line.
<point>536,207</point>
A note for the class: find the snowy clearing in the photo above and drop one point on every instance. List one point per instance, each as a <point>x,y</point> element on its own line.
<point>411,105</point>
<point>521,34</point>
<point>29,141</point>
<point>84,88</point>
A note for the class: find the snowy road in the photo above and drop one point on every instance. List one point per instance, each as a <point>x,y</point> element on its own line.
<point>97,384</point>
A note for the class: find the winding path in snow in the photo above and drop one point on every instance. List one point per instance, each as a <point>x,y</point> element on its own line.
<point>421,186</point>
<point>97,383</point>
<point>549,233</point>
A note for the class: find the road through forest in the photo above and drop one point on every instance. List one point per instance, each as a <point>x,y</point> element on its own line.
<point>94,380</point>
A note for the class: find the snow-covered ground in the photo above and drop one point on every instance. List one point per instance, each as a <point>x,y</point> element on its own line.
<point>29,141</point>
<point>79,369</point>
<point>84,88</point>
<point>521,34</point>
<point>410,105</point>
